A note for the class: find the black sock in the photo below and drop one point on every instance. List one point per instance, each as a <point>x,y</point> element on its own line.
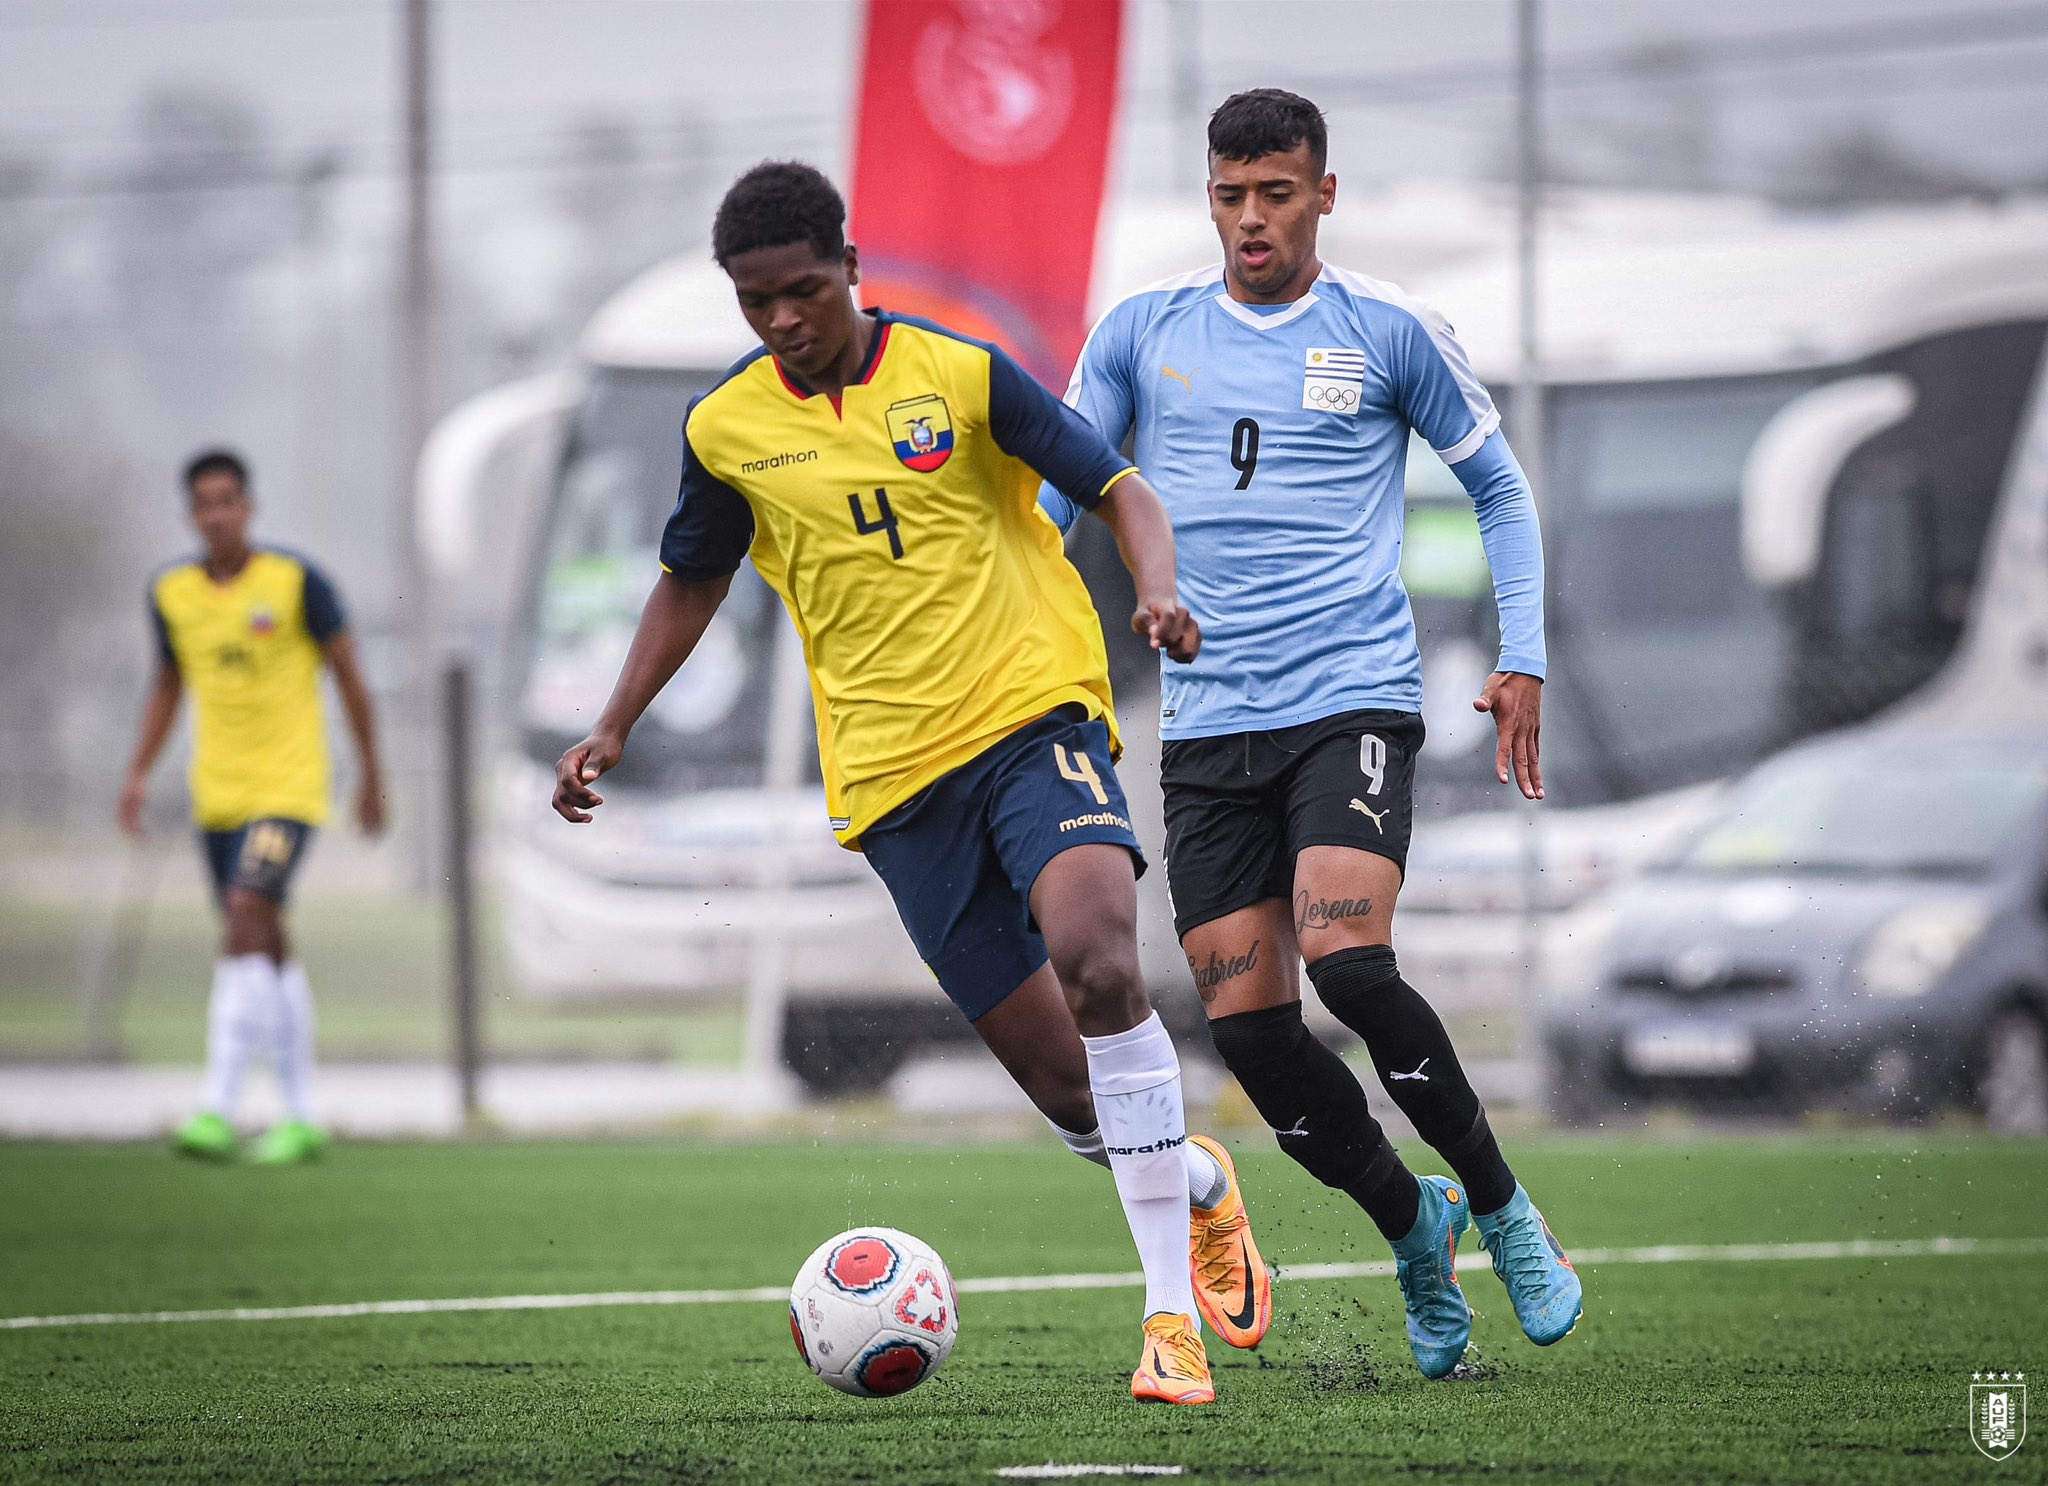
<point>1413,1055</point>
<point>1317,1111</point>
<point>1391,1197</point>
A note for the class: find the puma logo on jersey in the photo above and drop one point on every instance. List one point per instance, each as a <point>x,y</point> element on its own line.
<point>1377,817</point>
<point>1418,1075</point>
<point>1186,379</point>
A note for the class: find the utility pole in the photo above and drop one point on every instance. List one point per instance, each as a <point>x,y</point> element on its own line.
<point>440,689</point>
<point>459,761</point>
<point>1528,393</point>
<point>416,384</point>
<point>1184,18</point>
<point>1527,409</point>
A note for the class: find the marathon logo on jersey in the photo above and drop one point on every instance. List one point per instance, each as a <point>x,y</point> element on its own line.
<point>1333,380</point>
<point>922,430</point>
<point>777,461</point>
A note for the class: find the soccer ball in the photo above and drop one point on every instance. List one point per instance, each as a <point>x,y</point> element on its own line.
<point>874,1312</point>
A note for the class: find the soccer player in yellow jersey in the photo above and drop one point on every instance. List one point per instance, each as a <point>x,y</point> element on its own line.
<point>246,631</point>
<point>880,470</point>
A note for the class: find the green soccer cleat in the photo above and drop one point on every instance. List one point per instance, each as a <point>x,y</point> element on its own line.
<point>1439,1320</point>
<point>207,1136</point>
<point>1532,1264</point>
<point>289,1143</point>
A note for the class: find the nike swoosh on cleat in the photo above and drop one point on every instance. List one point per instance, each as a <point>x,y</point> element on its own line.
<point>1243,1319</point>
<point>1158,1367</point>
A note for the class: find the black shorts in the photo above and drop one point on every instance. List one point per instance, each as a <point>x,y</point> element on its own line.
<point>1240,807</point>
<point>260,856</point>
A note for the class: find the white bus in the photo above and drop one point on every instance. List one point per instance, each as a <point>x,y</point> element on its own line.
<point>1773,448</point>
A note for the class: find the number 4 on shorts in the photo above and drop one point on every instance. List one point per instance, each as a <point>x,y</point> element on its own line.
<point>1081,769</point>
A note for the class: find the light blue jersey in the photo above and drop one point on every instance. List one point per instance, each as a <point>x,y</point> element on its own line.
<point>1277,435</point>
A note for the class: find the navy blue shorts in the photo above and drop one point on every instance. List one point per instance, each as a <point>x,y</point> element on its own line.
<point>960,856</point>
<point>260,856</point>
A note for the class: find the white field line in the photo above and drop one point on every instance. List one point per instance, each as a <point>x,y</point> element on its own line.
<point>1739,1253</point>
<point>1051,1472</point>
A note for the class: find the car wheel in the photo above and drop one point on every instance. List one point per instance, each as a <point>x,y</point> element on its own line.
<point>2012,1079</point>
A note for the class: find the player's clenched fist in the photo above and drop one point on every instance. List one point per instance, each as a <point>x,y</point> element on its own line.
<point>578,769</point>
<point>1169,627</point>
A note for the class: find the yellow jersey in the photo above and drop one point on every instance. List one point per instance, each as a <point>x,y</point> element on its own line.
<point>249,652</point>
<point>900,525</point>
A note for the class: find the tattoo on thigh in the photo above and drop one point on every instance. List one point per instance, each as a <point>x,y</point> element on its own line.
<point>1209,978</point>
<point>1323,913</point>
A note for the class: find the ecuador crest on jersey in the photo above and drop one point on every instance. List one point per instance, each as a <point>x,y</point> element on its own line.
<point>921,428</point>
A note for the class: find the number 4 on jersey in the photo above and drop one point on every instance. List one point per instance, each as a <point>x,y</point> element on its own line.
<point>1081,769</point>
<point>885,521</point>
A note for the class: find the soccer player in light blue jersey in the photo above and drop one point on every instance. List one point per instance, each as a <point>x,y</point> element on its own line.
<point>1272,397</point>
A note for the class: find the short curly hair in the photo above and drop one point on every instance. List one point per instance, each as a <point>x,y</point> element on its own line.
<point>1268,121</point>
<point>216,462</point>
<point>776,203</point>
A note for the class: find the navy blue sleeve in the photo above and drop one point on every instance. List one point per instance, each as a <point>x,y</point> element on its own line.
<point>712,526</point>
<point>324,616</point>
<point>162,631</point>
<point>1101,393</point>
<point>1032,425</point>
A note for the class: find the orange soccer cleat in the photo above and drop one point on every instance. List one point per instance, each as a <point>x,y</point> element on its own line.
<point>1174,1368</point>
<point>1232,1284</point>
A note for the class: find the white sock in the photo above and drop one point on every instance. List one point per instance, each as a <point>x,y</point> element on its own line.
<point>237,1018</point>
<point>1135,1077</point>
<point>1207,1180</point>
<point>295,1040</point>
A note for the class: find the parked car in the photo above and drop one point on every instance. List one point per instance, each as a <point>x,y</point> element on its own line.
<point>1860,923</point>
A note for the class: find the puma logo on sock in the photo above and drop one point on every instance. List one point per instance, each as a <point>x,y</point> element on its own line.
<point>1300,1128</point>
<point>1417,1075</point>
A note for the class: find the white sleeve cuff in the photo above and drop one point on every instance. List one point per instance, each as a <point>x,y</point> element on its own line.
<point>1468,446</point>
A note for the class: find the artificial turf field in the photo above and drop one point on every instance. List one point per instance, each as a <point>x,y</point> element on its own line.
<point>1851,1370</point>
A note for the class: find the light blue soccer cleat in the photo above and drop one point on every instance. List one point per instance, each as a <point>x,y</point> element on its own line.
<point>1532,1264</point>
<point>1439,1320</point>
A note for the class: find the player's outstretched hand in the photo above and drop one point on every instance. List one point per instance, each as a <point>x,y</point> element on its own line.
<point>133,795</point>
<point>1516,702</point>
<point>1169,627</point>
<point>579,768</point>
<point>370,805</point>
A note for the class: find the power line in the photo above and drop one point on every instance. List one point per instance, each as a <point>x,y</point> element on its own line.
<point>1790,47</point>
<point>69,16</point>
<point>811,132</point>
<point>1634,66</point>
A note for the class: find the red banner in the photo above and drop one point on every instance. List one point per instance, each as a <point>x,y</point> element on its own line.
<point>978,178</point>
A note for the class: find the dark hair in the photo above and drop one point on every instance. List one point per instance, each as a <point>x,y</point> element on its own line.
<point>1268,121</point>
<point>216,462</point>
<point>776,203</point>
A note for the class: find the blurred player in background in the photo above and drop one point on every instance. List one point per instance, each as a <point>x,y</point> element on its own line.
<point>1272,398</point>
<point>247,629</point>
<point>881,471</point>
